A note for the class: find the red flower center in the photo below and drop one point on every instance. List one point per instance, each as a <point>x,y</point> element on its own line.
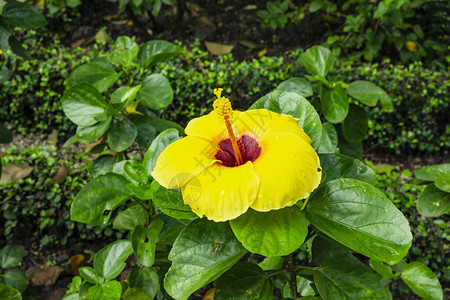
<point>248,146</point>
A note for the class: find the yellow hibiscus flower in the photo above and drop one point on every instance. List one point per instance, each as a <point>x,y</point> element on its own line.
<point>231,160</point>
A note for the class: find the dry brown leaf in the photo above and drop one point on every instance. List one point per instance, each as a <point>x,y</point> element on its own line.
<point>77,44</point>
<point>262,52</point>
<point>194,8</point>
<point>250,7</point>
<point>53,137</point>
<point>102,36</point>
<point>120,22</point>
<point>209,295</point>
<point>57,294</point>
<point>112,17</point>
<point>248,44</point>
<point>217,49</point>
<point>75,262</point>
<point>207,21</point>
<point>14,172</point>
<point>61,174</point>
<point>44,275</point>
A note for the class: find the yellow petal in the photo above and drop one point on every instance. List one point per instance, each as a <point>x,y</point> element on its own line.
<point>221,193</point>
<point>288,170</point>
<point>182,160</point>
<point>261,122</point>
<point>210,127</point>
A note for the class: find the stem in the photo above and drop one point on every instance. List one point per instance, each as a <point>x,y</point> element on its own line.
<point>293,277</point>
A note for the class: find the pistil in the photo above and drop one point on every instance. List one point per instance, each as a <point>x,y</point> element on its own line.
<point>222,106</point>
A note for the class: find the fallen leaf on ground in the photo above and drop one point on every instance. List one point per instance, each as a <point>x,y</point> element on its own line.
<point>209,295</point>
<point>217,49</point>
<point>249,44</point>
<point>262,52</point>
<point>207,21</point>
<point>75,262</point>
<point>120,22</point>
<point>57,294</point>
<point>77,44</point>
<point>250,7</point>
<point>44,275</point>
<point>61,174</point>
<point>53,137</point>
<point>14,172</point>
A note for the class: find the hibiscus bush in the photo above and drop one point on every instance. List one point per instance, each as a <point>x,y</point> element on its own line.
<point>243,201</point>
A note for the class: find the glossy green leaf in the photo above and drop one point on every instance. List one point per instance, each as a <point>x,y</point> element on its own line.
<point>110,290</point>
<point>163,140</point>
<point>136,172</point>
<point>146,279</point>
<point>122,135</point>
<point>334,104</point>
<point>130,218</point>
<point>422,281</point>
<point>348,278</point>
<point>349,148</point>
<point>152,52</point>
<point>341,166</point>
<point>110,260</point>
<point>146,130</point>
<point>15,278</point>
<point>5,135</point>
<point>386,103</point>
<point>323,248</point>
<point>5,74</point>
<point>84,105</point>
<point>11,255</point>
<point>318,60</point>
<point>443,182</point>
<point>9,293</point>
<point>171,202</point>
<point>432,173</point>
<point>297,85</point>
<point>272,263</point>
<point>366,92</point>
<point>273,233</point>
<point>293,104</point>
<point>136,294</point>
<point>432,202</point>
<point>97,199</point>
<point>99,73</point>
<point>91,133</point>
<point>244,280</point>
<point>144,242</point>
<point>356,124</point>
<point>5,33</point>
<point>22,14</point>
<point>329,139</point>
<point>125,94</point>
<point>202,252</point>
<point>102,165</point>
<point>360,217</point>
<point>382,268</point>
<point>17,47</point>
<point>156,92</point>
<point>89,274</point>
<point>123,52</point>
<point>161,125</point>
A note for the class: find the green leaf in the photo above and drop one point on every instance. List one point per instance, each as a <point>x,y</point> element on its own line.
<point>5,135</point>
<point>386,103</point>
<point>443,182</point>
<point>110,260</point>
<point>97,199</point>
<point>15,278</point>
<point>136,172</point>
<point>9,293</point>
<point>244,280</point>
<point>318,60</point>
<point>348,278</point>
<point>432,202</point>
<point>359,216</point>
<point>102,165</point>
<point>130,218</point>
<point>146,130</point>
<point>422,281</point>
<point>163,140</point>
<point>125,95</point>
<point>202,252</point>
<point>171,202</point>
<point>22,14</point>
<point>272,263</point>
<point>5,74</point>
<point>5,33</point>
<point>298,107</point>
<point>382,268</point>
<point>341,166</point>
<point>273,233</point>
<point>366,92</point>
<point>144,242</point>
<point>349,148</point>
<point>432,173</point>
<point>161,125</point>
<point>91,133</point>
<point>110,290</point>
<point>11,255</point>
<point>84,105</point>
<point>146,279</point>
<point>122,135</point>
<point>156,92</point>
<point>136,294</point>
<point>17,48</point>
<point>153,52</point>
<point>123,51</point>
<point>329,139</point>
<point>334,104</point>
<point>323,248</point>
<point>99,73</point>
<point>356,124</point>
<point>297,85</point>
<point>89,274</point>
